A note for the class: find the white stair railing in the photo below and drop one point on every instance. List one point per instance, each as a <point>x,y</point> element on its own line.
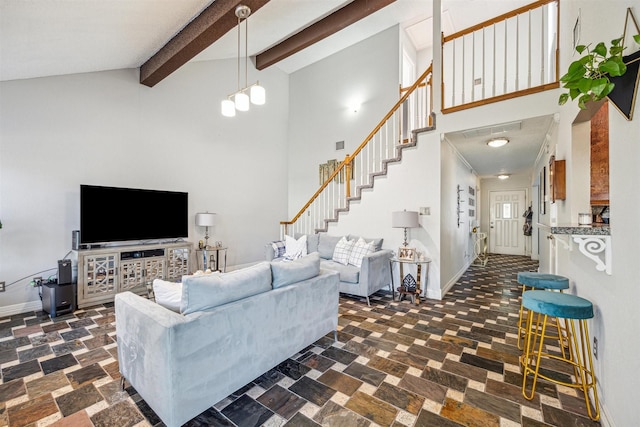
<point>358,170</point>
<point>507,56</point>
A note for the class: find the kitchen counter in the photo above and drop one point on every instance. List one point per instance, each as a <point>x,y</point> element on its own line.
<point>582,230</point>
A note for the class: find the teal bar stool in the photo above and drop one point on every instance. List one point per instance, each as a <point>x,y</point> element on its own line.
<point>543,307</point>
<point>541,281</point>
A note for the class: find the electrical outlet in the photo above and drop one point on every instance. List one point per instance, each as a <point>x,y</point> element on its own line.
<point>2,287</point>
<point>425,211</point>
<point>595,347</point>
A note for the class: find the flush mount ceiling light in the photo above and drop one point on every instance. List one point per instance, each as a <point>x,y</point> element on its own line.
<point>240,100</point>
<point>503,176</point>
<point>498,142</point>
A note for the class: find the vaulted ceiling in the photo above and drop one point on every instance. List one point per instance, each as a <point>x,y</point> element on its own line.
<point>53,37</point>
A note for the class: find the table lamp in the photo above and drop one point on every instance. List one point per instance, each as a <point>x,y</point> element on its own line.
<point>206,220</point>
<point>405,219</point>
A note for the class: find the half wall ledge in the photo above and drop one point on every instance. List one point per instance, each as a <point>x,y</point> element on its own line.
<point>594,242</point>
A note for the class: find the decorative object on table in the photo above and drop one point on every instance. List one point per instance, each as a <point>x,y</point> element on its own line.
<point>589,78</point>
<point>405,219</point>
<point>585,218</point>
<point>409,283</point>
<point>239,100</point>
<point>206,220</point>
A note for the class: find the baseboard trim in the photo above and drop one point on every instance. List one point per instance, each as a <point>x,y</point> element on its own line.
<point>453,280</point>
<point>26,307</point>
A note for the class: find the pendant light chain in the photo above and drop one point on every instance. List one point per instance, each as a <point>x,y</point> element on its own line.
<point>247,94</point>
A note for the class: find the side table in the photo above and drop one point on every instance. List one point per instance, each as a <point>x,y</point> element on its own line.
<point>406,286</point>
<point>213,258</point>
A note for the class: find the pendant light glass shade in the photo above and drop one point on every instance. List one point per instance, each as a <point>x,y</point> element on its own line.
<point>228,108</point>
<point>258,95</point>
<point>242,101</point>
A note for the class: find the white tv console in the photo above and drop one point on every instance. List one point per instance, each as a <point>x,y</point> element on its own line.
<point>104,272</point>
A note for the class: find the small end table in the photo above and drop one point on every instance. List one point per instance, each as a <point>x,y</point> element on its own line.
<point>209,258</point>
<point>407,288</point>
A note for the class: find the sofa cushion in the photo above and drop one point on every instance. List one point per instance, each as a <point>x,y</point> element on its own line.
<point>295,248</point>
<point>211,290</point>
<point>288,272</point>
<point>348,273</point>
<point>359,251</point>
<point>312,241</point>
<point>168,294</point>
<point>343,250</point>
<point>327,244</point>
<point>377,242</point>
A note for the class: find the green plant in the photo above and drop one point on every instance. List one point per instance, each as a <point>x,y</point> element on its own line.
<point>588,77</point>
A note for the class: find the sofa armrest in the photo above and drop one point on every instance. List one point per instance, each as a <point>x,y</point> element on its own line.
<point>375,271</point>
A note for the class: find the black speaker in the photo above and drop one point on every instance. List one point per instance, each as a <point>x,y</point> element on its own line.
<point>64,271</point>
<point>75,240</point>
<point>58,299</point>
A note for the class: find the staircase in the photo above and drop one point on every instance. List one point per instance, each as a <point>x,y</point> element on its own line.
<point>511,55</point>
<point>383,146</point>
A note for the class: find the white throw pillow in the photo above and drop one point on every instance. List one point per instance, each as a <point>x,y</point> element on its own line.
<point>359,251</point>
<point>295,249</point>
<point>168,294</point>
<point>343,250</point>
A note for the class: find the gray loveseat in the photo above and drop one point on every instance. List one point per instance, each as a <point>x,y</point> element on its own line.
<point>233,328</point>
<point>373,275</point>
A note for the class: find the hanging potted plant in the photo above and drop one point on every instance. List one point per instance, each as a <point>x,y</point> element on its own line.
<point>588,78</point>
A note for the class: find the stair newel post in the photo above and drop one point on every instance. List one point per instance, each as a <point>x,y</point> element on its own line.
<point>347,173</point>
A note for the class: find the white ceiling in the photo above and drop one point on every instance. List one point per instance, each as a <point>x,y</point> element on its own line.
<point>517,157</point>
<point>55,37</point>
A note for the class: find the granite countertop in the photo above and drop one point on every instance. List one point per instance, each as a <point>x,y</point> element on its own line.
<point>585,230</point>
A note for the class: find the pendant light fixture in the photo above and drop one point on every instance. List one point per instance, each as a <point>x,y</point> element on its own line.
<point>240,100</point>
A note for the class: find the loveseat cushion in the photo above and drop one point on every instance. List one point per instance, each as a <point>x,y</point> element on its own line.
<point>348,273</point>
<point>327,244</point>
<point>312,241</point>
<point>211,290</point>
<point>288,272</point>
<point>377,241</point>
<point>167,294</point>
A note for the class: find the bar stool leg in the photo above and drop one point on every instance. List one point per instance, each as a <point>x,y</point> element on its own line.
<point>583,366</point>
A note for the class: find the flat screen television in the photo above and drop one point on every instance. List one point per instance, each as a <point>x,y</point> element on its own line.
<point>113,214</point>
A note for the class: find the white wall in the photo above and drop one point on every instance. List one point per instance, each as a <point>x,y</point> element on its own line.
<point>456,240</point>
<point>320,97</point>
<point>615,297</point>
<point>106,129</point>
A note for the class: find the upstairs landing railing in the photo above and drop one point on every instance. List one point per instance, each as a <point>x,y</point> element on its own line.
<point>511,55</point>
<point>358,170</point>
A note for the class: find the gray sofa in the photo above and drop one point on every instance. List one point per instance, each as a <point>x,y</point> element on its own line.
<point>183,363</point>
<point>373,275</point>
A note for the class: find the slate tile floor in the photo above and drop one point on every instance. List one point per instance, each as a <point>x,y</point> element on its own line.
<point>443,363</point>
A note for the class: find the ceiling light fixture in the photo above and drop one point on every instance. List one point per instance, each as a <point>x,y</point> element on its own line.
<point>503,176</point>
<point>498,142</point>
<point>239,100</point>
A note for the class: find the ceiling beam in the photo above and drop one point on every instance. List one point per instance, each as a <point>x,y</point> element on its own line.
<point>331,24</point>
<point>214,22</point>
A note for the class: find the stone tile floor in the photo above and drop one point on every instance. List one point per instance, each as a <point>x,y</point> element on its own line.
<point>443,363</point>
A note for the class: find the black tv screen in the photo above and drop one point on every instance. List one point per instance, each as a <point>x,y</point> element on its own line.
<point>112,214</point>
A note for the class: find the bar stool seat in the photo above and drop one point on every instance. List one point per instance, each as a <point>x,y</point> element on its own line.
<point>531,280</point>
<point>543,280</point>
<point>543,307</point>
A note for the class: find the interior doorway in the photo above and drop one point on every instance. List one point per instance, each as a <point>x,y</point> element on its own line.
<point>506,221</point>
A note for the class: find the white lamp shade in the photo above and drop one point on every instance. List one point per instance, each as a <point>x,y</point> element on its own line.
<point>405,219</point>
<point>258,95</point>
<point>242,101</point>
<point>205,219</point>
<point>228,108</point>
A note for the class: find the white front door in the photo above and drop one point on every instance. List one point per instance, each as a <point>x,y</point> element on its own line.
<point>506,221</point>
